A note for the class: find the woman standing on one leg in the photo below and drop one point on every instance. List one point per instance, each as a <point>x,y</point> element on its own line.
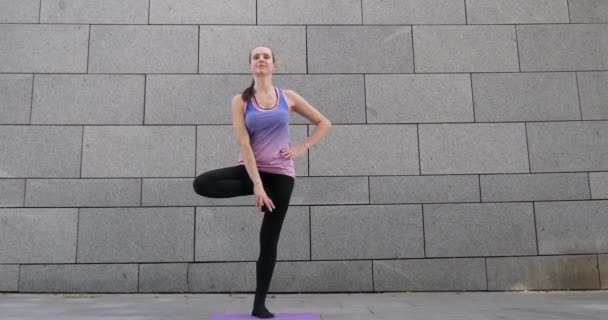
<point>260,117</point>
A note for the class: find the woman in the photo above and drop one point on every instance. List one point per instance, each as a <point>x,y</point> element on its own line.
<point>260,117</point>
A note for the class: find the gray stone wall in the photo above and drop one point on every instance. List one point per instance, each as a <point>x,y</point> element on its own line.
<point>469,149</point>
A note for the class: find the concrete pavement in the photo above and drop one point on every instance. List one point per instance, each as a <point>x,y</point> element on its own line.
<point>537,305</point>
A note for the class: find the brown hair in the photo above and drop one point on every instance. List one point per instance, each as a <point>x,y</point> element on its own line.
<point>248,92</point>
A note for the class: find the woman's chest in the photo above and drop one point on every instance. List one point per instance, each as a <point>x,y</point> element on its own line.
<point>267,120</point>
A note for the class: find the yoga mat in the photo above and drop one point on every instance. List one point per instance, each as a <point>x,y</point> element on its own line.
<point>277,316</point>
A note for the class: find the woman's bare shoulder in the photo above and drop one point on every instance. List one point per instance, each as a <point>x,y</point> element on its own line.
<point>290,97</point>
<point>237,99</point>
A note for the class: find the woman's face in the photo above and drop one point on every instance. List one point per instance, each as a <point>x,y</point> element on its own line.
<point>261,61</point>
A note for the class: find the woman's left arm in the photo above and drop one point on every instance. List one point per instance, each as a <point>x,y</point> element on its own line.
<point>322,124</point>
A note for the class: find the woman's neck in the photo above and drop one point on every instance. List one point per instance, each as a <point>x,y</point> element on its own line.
<point>263,85</point>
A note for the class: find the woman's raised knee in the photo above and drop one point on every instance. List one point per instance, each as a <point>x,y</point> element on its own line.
<point>201,185</point>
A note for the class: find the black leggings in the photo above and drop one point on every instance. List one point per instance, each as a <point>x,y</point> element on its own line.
<point>233,182</point>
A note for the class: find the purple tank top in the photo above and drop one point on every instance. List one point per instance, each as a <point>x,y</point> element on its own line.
<point>268,134</point>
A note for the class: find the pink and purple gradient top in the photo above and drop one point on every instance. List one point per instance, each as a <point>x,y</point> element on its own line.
<point>269,134</point>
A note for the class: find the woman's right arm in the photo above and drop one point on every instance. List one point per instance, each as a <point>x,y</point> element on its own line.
<point>242,139</point>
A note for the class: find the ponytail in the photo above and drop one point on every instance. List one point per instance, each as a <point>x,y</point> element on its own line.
<point>248,93</point>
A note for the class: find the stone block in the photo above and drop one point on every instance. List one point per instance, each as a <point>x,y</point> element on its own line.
<point>38,235</point>
<point>366,232</point>
<point>339,49</point>
<point>563,47</point>
<point>366,150</point>
<point>400,98</point>
<point>424,189</point>
<point>143,49</point>
<point>588,11</point>
<point>309,12</point>
<point>413,12</point>
<point>430,275</point>
<point>330,190</point>
<point>88,99</point>
<point>83,192</point>
<point>135,235</point>
<point>534,187</point>
<point>233,233</point>
<point>226,49</point>
<point>323,276</point>
<point>599,185</point>
<point>24,11</point>
<point>465,48</point>
<point>473,148</point>
<point>203,12</point>
<point>192,99</point>
<point>163,277</point>
<point>40,151</point>
<point>79,278</point>
<point>12,192</point>
<point>15,98</point>
<point>339,97</point>
<point>543,273</point>
<point>223,277</point>
<point>479,229</point>
<point>572,227</point>
<point>94,12</point>
<point>37,48</point>
<point>603,264</point>
<point>593,88</point>
<point>503,97</point>
<point>136,151</point>
<point>9,277</point>
<point>516,11</point>
<point>568,146</point>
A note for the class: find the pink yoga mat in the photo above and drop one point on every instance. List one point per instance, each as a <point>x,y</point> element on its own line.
<point>277,316</point>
